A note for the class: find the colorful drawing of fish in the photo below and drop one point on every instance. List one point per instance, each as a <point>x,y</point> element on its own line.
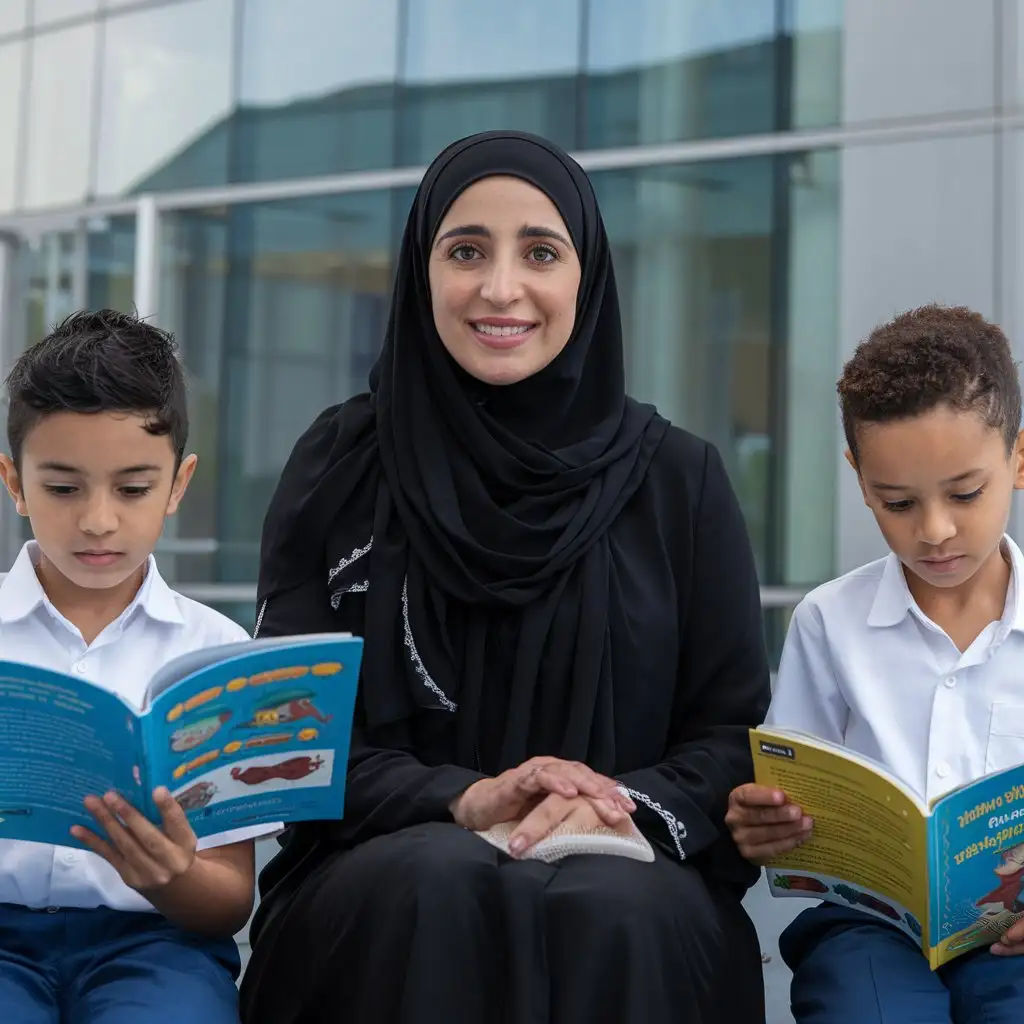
<point>190,736</point>
<point>287,706</point>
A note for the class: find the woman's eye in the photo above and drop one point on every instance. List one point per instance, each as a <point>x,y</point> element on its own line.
<point>463,253</point>
<point>897,506</point>
<point>135,492</point>
<point>543,254</point>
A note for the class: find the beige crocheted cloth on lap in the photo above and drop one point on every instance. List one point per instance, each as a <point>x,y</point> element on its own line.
<point>566,841</point>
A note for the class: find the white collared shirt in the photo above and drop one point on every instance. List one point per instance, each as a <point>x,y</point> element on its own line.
<point>158,625</point>
<point>864,666</point>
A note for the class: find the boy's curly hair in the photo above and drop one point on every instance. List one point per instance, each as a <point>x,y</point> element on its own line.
<point>927,357</point>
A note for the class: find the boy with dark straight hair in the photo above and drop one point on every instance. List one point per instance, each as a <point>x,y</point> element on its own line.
<point>914,660</point>
<point>137,929</point>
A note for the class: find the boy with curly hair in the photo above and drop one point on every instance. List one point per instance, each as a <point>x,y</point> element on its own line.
<point>915,659</point>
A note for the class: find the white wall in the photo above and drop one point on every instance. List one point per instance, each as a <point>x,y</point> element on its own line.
<point>918,218</point>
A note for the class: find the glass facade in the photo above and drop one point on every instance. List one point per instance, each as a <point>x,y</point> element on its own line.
<point>777,176</point>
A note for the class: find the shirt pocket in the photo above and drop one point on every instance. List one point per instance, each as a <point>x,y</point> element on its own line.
<point>1005,738</point>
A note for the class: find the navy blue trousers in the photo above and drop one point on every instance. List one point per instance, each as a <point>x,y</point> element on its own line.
<point>851,968</point>
<point>111,967</point>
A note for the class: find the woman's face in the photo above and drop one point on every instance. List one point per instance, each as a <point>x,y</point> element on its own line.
<point>503,280</point>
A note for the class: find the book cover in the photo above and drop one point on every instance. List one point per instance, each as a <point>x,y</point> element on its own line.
<point>948,875</point>
<point>245,734</point>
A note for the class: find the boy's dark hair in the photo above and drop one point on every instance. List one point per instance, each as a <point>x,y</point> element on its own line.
<point>928,357</point>
<point>101,361</point>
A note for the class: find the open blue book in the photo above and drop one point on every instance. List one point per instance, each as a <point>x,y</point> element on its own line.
<point>243,734</point>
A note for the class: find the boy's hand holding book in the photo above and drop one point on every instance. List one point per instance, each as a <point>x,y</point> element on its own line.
<point>146,857</point>
<point>1012,942</point>
<point>764,824</point>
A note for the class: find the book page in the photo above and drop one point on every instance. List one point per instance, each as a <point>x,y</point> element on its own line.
<point>869,845</point>
<point>978,850</point>
<point>61,739</point>
<point>260,738</point>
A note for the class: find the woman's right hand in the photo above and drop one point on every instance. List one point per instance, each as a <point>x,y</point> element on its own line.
<point>764,824</point>
<point>511,795</point>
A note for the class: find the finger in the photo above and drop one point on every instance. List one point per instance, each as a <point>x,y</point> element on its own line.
<point>587,781</point>
<point>764,852</point>
<point>141,829</point>
<point>176,824</point>
<point>1003,948</point>
<point>97,845</point>
<point>609,811</point>
<point>747,816</point>
<point>753,795</point>
<point>543,780</point>
<point>537,824</point>
<point>760,835</point>
<point>117,835</point>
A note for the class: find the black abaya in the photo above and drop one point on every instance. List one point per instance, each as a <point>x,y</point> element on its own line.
<point>543,568</point>
<point>432,925</point>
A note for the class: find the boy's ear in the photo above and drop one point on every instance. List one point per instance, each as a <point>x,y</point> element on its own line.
<point>1018,458</point>
<point>860,480</point>
<point>12,481</point>
<point>181,482</point>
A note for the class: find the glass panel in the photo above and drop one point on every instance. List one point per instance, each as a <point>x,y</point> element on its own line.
<point>812,365</point>
<point>12,57</point>
<point>13,15</point>
<point>815,28</point>
<point>111,263</point>
<point>55,281</point>
<point>46,12</point>
<point>470,67</point>
<point>59,125</point>
<point>671,70</point>
<point>705,257</point>
<point>280,309</point>
<point>165,98</point>
<point>316,92</point>
<point>665,70</point>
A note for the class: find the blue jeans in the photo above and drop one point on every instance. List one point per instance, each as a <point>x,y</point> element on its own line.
<point>111,967</point>
<point>851,968</point>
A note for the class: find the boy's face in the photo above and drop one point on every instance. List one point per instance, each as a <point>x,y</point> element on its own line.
<point>96,488</point>
<point>940,486</point>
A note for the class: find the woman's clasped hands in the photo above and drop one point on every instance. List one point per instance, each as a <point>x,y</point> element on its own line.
<point>540,795</point>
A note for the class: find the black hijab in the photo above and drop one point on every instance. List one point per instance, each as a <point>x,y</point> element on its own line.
<point>475,517</point>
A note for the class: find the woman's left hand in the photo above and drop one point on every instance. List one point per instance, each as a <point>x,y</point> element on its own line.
<point>146,857</point>
<point>552,811</point>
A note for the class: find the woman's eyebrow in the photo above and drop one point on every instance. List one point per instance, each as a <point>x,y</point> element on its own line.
<point>479,231</point>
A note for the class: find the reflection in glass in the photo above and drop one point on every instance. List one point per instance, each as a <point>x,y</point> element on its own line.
<point>111,263</point>
<point>280,309</point>
<point>165,95</point>
<point>13,15</point>
<point>815,28</point>
<point>58,126</point>
<point>488,64</point>
<point>316,92</point>
<point>673,70</point>
<point>704,261</point>
<point>46,12</point>
<point>12,57</point>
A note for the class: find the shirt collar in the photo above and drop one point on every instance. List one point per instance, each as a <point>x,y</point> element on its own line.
<point>893,600</point>
<point>21,593</point>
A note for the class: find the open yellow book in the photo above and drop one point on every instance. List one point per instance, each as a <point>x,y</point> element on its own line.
<point>949,874</point>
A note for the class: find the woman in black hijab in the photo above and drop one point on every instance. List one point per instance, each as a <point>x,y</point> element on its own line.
<point>562,626</point>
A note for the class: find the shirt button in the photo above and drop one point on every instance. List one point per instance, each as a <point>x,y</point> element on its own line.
<point>951,681</point>
<point>80,668</point>
<point>942,769</point>
<point>70,858</point>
